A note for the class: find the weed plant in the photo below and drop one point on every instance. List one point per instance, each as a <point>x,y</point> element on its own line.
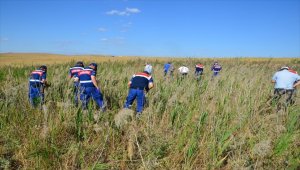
<point>225,122</point>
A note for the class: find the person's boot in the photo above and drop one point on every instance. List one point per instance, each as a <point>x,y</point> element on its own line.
<point>138,115</point>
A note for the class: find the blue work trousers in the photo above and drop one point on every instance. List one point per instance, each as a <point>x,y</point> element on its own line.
<point>87,92</point>
<point>135,94</point>
<point>36,95</point>
<point>215,73</point>
<point>198,73</point>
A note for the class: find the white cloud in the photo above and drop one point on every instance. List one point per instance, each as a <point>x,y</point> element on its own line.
<point>102,29</point>
<point>113,41</point>
<point>132,10</point>
<point>126,12</point>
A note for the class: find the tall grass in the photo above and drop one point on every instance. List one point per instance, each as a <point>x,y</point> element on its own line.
<point>224,122</point>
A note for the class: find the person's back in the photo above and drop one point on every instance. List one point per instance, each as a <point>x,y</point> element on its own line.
<point>140,80</point>
<point>285,82</point>
<point>285,79</point>
<point>36,77</point>
<point>199,69</point>
<point>73,72</point>
<point>183,70</point>
<point>166,68</point>
<point>85,77</point>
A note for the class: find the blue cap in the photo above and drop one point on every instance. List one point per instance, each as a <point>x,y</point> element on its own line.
<point>95,65</point>
<point>79,64</point>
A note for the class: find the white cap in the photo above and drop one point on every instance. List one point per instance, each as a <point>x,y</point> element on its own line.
<point>148,68</point>
<point>284,67</point>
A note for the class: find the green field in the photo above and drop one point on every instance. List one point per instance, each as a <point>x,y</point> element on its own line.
<point>222,123</point>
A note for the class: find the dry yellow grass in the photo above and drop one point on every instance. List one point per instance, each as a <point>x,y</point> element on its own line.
<point>21,59</point>
<point>28,59</point>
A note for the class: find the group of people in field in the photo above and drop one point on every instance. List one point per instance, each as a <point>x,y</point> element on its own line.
<point>184,70</point>
<point>85,84</point>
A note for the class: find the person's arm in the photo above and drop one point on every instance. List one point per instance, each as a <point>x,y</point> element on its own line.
<point>297,81</point>
<point>44,81</point>
<point>94,81</point>
<point>296,84</point>
<point>274,78</point>
<point>129,83</point>
<point>150,85</point>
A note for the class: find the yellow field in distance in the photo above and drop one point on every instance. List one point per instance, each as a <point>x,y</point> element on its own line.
<point>28,59</point>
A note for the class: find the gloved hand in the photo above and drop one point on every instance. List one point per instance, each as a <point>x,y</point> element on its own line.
<point>76,79</point>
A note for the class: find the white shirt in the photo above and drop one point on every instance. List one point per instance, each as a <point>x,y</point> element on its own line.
<point>285,79</point>
<point>183,69</point>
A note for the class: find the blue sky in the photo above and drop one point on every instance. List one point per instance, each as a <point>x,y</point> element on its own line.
<point>186,28</point>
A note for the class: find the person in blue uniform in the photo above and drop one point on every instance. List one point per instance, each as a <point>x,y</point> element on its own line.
<point>139,83</point>
<point>73,73</point>
<point>199,69</point>
<point>89,87</point>
<point>166,68</point>
<point>37,82</point>
<point>216,68</point>
<point>285,83</point>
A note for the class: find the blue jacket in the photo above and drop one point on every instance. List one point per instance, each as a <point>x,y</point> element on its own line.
<point>85,77</point>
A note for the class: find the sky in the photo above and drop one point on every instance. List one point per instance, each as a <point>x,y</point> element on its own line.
<point>163,28</point>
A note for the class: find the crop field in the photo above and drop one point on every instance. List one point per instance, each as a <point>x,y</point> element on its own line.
<point>227,122</point>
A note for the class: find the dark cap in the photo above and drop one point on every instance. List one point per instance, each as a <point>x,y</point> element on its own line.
<point>43,67</point>
<point>80,64</point>
<point>95,65</point>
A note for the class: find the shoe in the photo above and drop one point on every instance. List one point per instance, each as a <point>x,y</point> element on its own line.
<point>138,115</point>
<point>103,108</point>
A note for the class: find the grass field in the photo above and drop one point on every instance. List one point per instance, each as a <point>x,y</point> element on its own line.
<point>221,123</point>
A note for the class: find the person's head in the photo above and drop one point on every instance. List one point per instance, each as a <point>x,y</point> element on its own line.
<point>284,68</point>
<point>94,66</point>
<point>44,68</point>
<point>148,70</point>
<point>79,64</point>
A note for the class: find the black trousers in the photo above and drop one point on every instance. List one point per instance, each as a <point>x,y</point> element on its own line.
<point>287,94</point>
